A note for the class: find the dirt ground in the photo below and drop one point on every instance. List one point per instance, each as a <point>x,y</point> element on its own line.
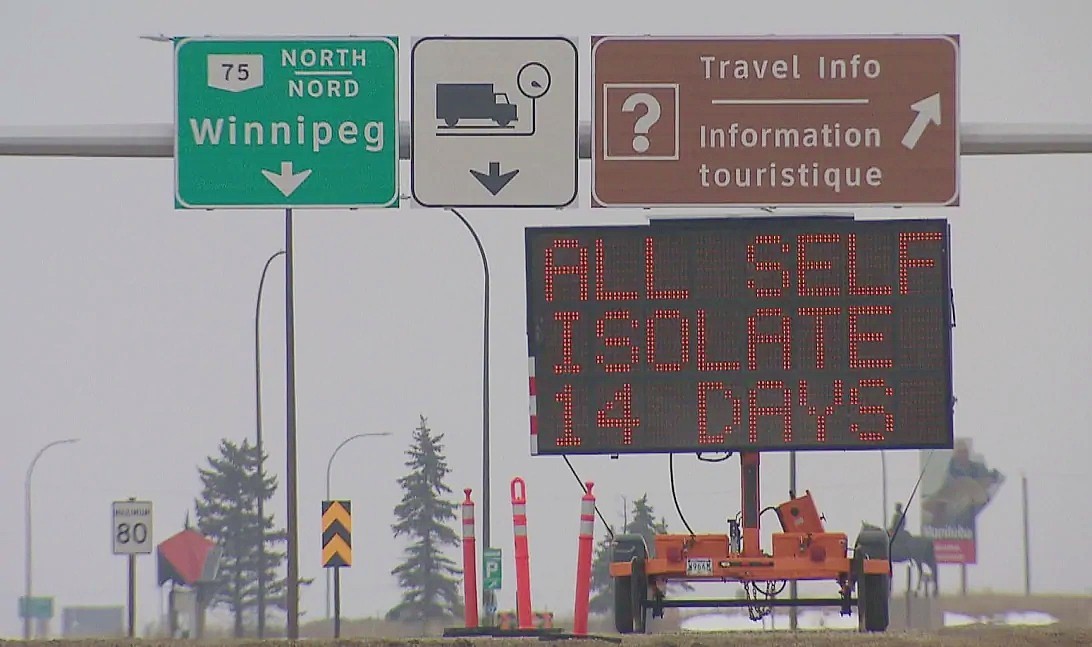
<point>961,637</point>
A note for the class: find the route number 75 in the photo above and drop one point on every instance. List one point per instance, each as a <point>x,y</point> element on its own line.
<point>235,72</point>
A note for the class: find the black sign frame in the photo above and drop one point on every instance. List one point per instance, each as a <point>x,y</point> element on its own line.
<point>918,305</point>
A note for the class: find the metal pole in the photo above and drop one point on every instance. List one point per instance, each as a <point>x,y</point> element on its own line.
<point>293,592</point>
<point>883,476</point>
<point>909,610</point>
<point>337,601</point>
<point>157,140</point>
<point>28,587</point>
<point>1027,536</point>
<point>132,596</point>
<point>792,583</point>
<point>258,440</point>
<point>487,595</point>
<point>329,464</point>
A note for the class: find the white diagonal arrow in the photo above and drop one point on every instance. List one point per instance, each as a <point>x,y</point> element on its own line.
<point>928,109</point>
<point>286,181</point>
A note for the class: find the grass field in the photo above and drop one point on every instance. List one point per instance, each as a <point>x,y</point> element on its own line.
<point>962,637</point>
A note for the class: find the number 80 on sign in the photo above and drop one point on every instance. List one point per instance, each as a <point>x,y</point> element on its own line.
<point>132,527</point>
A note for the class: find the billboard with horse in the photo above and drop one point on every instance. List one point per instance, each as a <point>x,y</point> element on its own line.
<point>957,485</point>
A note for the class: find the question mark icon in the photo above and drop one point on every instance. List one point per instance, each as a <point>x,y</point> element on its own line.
<point>646,121</point>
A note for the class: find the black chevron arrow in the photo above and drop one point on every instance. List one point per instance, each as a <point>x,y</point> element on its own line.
<point>494,181</point>
<point>337,530</point>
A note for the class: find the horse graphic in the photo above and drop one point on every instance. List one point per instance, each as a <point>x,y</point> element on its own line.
<point>918,550</point>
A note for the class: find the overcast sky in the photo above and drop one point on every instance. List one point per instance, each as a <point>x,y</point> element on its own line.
<point>129,324</point>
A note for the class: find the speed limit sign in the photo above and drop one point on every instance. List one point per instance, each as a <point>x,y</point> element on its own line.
<point>132,527</point>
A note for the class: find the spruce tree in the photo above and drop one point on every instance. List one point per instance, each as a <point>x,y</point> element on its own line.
<point>227,513</point>
<point>428,578</point>
<point>602,593</point>
<point>643,522</point>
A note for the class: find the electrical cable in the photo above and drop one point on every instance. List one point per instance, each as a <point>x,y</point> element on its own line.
<point>715,460</point>
<point>583,489</point>
<point>902,519</point>
<point>671,474</point>
<point>910,500</point>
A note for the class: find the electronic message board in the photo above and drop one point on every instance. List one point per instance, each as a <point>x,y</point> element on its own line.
<point>752,334</point>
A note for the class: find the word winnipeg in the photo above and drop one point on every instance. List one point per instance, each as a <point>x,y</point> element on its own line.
<point>317,134</point>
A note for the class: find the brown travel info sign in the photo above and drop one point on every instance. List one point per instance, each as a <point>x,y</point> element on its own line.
<point>854,120</point>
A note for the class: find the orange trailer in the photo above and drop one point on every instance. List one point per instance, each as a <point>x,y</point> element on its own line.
<point>804,550</point>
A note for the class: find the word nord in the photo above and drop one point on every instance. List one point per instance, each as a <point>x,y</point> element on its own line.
<point>315,88</point>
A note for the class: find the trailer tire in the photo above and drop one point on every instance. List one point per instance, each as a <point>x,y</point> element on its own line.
<point>639,590</point>
<point>873,603</point>
<point>623,604</point>
<point>873,591</point>
<point>629,548</point>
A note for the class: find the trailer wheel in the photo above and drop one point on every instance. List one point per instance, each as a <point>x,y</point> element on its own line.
<point>873,603</point>
<point>639,590</point>
<point>623,604</point>
<point>873,591</point>
<point>630,590</point>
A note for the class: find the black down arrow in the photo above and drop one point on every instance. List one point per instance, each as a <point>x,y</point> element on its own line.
<point>494,181</point>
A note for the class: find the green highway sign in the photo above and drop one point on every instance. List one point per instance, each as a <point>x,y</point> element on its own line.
<point>491,569</point>
<point>281,122</point>
<point>38,608</point>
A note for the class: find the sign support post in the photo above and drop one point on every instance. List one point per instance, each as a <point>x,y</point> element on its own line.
<point>337,602</point>
<point>293,592</point>
<point>793,592</point>
<point>132,596</point>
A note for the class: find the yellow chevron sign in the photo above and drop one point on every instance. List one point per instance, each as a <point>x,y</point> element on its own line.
<point>337,534</point>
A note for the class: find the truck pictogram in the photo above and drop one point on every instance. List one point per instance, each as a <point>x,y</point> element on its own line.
<point>458,101</point>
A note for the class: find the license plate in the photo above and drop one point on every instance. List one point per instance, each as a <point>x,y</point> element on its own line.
<point>699,566</point>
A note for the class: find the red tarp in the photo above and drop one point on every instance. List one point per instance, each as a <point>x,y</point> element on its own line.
<point>182,557</point>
